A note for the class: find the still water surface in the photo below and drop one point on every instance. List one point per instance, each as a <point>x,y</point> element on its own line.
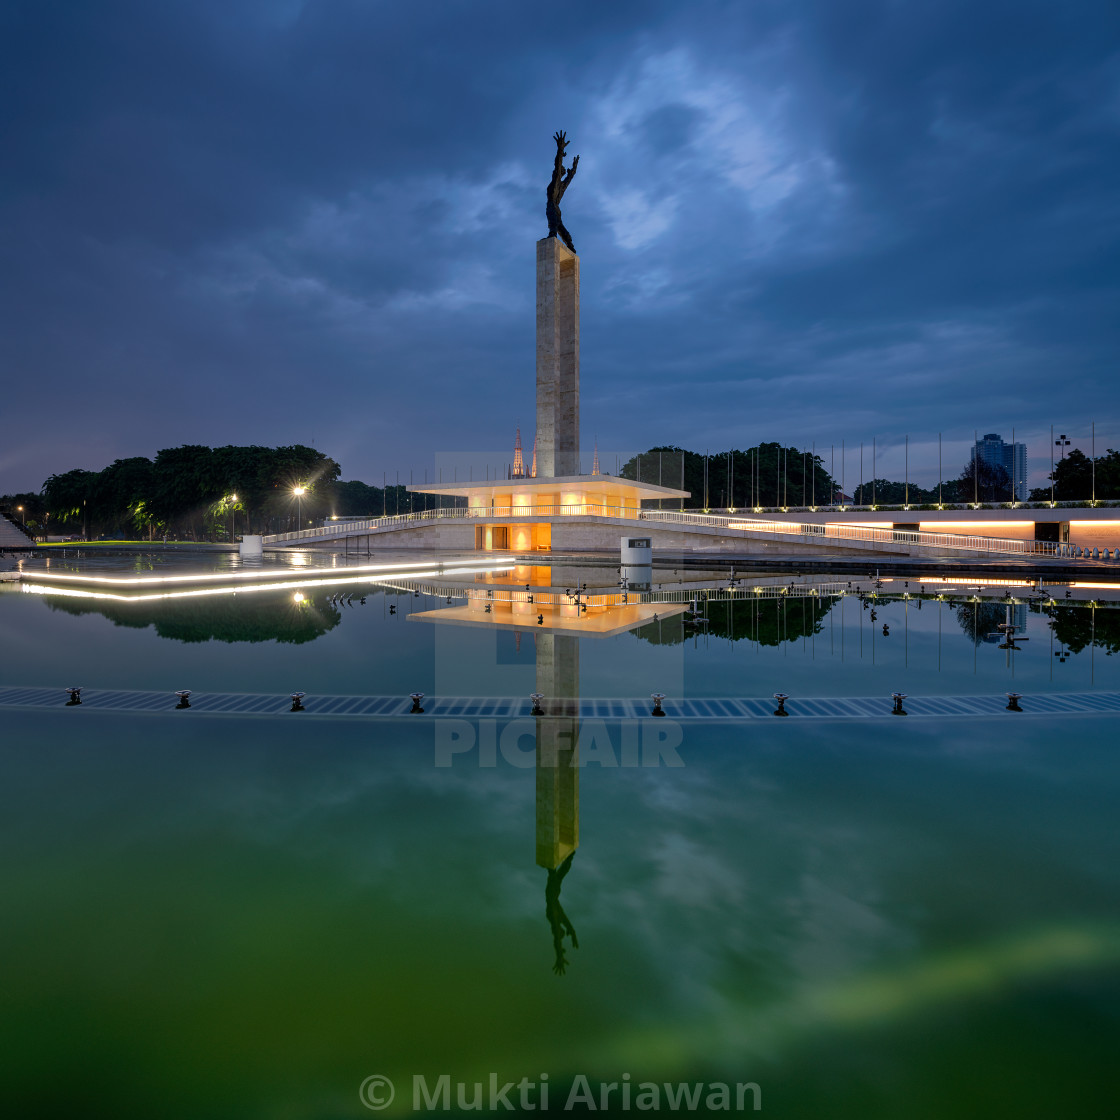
<point>231,917</point>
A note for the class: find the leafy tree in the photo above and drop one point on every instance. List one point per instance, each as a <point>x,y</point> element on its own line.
<point>765,475</point>
<point>981,481</point>
<point>1074,482</point>
<point>33,513</point>
<point>885,492</point>
<point>188,491</point>
<point>67,497</point>
<point>119,493</point>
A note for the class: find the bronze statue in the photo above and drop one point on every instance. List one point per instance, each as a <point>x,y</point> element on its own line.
<point>561,178</point>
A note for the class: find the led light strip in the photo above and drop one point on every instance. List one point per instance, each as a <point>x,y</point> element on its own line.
<point>78,593</point>
<point>138,581</point>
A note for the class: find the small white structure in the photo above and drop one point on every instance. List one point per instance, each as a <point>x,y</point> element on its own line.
<point>637,551</point>
<point>251,547</point>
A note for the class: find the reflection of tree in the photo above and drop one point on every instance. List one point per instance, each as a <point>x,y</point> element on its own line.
<point>766,621</point>
<point>256,618</point>
<point>1077,628</point>
<point>978,620</point>
<point>557,919</point>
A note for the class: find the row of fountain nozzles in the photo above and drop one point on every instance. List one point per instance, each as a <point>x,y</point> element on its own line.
<point>184,696</point>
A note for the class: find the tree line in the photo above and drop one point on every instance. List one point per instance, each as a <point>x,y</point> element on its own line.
<point>199,493</point>
<point>766,475</point>
<point>771,475</point>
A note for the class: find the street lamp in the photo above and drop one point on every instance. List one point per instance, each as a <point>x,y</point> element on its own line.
<point>232,518</point>
<point>23,520</point>
<point>1063,443</point>
<point>299,492</point>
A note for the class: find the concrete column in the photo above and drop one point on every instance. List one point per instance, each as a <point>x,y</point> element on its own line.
<point>557,359</point>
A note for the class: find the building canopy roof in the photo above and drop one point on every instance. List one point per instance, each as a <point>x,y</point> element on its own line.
<point>591,485</point>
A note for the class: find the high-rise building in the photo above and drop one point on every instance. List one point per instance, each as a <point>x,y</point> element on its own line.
<point>992,450</point>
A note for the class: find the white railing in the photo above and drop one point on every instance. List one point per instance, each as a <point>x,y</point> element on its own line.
<point>401,521</point>
<point>345,528</point>
<point>862,533</point>
<point>809,532</point>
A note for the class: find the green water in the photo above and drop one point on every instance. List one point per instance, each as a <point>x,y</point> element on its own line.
<point>863,920</point>
<point>211,917</point>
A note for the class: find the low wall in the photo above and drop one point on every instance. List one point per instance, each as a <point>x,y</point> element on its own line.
<point>594,534</point>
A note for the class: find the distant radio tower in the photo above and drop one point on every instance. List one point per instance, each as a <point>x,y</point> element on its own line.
<point>595,459</point>
<point>518,459</point>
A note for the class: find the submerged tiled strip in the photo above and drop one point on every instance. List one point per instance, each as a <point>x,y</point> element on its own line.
<point>467,707</point>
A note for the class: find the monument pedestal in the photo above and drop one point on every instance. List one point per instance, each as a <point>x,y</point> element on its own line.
<point>557,359</point>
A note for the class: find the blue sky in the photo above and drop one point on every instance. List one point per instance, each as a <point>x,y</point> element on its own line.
<point>276,222</point>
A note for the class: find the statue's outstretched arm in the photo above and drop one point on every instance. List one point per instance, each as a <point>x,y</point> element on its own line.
<point>561,148</point>
<point>571,174</point>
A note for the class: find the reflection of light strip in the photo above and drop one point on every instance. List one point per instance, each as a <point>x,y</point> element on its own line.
<point>1105,586</point>
<point>132,581</point>
<point>75,592</point>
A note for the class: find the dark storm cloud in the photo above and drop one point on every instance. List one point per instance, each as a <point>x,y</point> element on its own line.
<point>270,222</point>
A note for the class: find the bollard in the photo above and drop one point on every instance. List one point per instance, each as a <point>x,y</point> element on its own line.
<point>184,698</point>
<point>657,697</point>
<point>781,697</point>
<point>416,697</point>
<point>1013,699</point>
<point>536,697</point>
<point>297,702</point>
<point>75,696</point>
<point>898,697</point>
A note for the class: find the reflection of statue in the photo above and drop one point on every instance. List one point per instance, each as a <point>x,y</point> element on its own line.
<point>557,919</point>
<point>560,182</point>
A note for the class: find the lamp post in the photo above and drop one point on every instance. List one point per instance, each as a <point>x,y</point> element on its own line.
<point>233,518</point>
<point>22,519</point>
<point>1061,443</point>
<point>299,492</point>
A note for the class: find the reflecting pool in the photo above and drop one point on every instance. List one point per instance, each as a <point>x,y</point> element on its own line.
<point>253,915</point>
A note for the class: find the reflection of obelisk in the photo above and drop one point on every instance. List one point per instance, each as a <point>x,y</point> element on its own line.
<point>557,749</point>
<point>557,359</point>
<point>558,778</point>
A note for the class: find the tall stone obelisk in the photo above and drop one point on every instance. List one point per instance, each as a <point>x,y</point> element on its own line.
<point>557,359</point>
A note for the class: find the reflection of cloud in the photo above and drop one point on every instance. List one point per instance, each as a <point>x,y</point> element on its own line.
<point>694,877</point>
